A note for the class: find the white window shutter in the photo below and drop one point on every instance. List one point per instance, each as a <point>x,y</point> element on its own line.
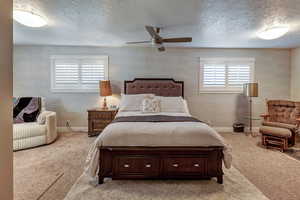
<point>214,75</point>
<point>225,74</point>
<point>238,75</point>
<point>78,73</point>
<point>66,74</point>
<point>92,71</point>
<point>91,74</point>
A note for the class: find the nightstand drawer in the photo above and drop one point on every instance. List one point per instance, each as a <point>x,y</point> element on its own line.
<point>99,119</point>
<point>101,115</point>
<point>99,124</point>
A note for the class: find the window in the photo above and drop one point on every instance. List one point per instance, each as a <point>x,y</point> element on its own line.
<point>225,74</point>
<point>78,73</point>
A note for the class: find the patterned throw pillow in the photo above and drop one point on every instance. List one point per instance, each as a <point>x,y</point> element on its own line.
<point>132,102</point>
<point>26,109</point>
<point>150,105</point>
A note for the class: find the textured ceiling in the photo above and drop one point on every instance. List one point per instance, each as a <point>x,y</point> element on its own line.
<point>211,23</point>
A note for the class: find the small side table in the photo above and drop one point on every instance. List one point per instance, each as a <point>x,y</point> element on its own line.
<point>99,119</point>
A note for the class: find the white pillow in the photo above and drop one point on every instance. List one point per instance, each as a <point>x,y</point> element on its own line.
<point>151,105</point>
<point>172,104</point>
<point>132,102</point>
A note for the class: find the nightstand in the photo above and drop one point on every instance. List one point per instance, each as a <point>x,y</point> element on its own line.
<point>99,119</point>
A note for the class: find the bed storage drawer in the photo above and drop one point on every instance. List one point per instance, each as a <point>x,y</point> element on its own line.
<point>185,165</point>
<point>161,162</point>
<point>137,166</point>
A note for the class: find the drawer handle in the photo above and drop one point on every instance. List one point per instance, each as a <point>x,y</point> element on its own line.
<point>196,165</point>
<point>175,165</point>
<point>148,165</point>
<point>126,166</point>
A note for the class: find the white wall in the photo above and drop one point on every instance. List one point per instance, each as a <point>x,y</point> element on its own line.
<point>32,78</point>
<point>295,74</point>
<point>6,156</point>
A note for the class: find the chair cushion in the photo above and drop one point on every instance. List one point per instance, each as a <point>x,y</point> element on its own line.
<point>30,129</point>
<point>280,132</point>
<point>280,125</point>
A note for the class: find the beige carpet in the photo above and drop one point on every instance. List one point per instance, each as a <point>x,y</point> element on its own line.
<point>274,173</point>
<point>295,150</point>
<point>61,163</point>
<point>235,187</point>
<point>35,170</point>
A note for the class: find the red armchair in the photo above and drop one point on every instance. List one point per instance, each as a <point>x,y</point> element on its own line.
<point>281,124</point>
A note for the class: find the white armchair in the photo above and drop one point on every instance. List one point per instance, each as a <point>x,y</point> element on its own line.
<point>32,134</point>
<point>51,125</point>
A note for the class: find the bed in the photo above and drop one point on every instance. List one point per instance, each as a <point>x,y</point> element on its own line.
<point>164,150</point>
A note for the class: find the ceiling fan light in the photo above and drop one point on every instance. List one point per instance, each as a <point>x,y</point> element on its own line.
<point>273,32</point>
<point>29,18</point>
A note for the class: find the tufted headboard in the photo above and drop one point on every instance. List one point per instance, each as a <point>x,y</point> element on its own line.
<point>157,86</point>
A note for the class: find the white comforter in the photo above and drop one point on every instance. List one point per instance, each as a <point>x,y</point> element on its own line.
<point>150,134</point>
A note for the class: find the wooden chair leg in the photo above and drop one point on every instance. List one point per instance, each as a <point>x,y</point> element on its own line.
<point>291,141</point>
<point>263,140</point>
<point>286,144</point>
<point>100,180</point>
<point>220,179</point>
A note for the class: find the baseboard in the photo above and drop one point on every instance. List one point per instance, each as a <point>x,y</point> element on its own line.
<point>223,129</point>
<point>218,129</point>
<point>76,128</point>
<point>254,129</point>
<point>230,129</point>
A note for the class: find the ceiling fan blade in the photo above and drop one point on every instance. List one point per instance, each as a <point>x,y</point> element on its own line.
<point>140,42</point>
<point>153,33</point>
<point>161,48</point>
<point>183,39</point>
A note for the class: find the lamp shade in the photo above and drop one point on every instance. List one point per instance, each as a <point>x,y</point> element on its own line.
<point>105,88</point>
<point>251,89</point>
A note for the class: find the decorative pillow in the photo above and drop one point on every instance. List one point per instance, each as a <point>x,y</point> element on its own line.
<point>42,117</point>
<point>26,109</point>
<point>132,102</point>
<point>172,104</point>
<point>151,105</point>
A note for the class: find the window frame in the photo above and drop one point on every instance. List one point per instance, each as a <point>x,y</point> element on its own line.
<point>218,60</point>
<point>53,58</point>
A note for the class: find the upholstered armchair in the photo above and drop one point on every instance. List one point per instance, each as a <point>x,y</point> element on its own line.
<point>281,124</point>
<point>33,134</point>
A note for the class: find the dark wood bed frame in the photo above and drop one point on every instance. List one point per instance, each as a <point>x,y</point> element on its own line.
<point>159,162</point>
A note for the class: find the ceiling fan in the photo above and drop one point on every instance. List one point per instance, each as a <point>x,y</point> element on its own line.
<point>158,41</point>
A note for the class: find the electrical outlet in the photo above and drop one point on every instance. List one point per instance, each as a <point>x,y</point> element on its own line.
<point>68,123</point>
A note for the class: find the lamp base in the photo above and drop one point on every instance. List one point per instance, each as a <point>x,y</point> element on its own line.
<point>104,105</point>
<point>104,108</point>
<point>251,133</point>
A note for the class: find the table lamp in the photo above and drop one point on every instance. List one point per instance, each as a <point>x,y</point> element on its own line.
<point>251,90</point>
<point>105,90</point>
